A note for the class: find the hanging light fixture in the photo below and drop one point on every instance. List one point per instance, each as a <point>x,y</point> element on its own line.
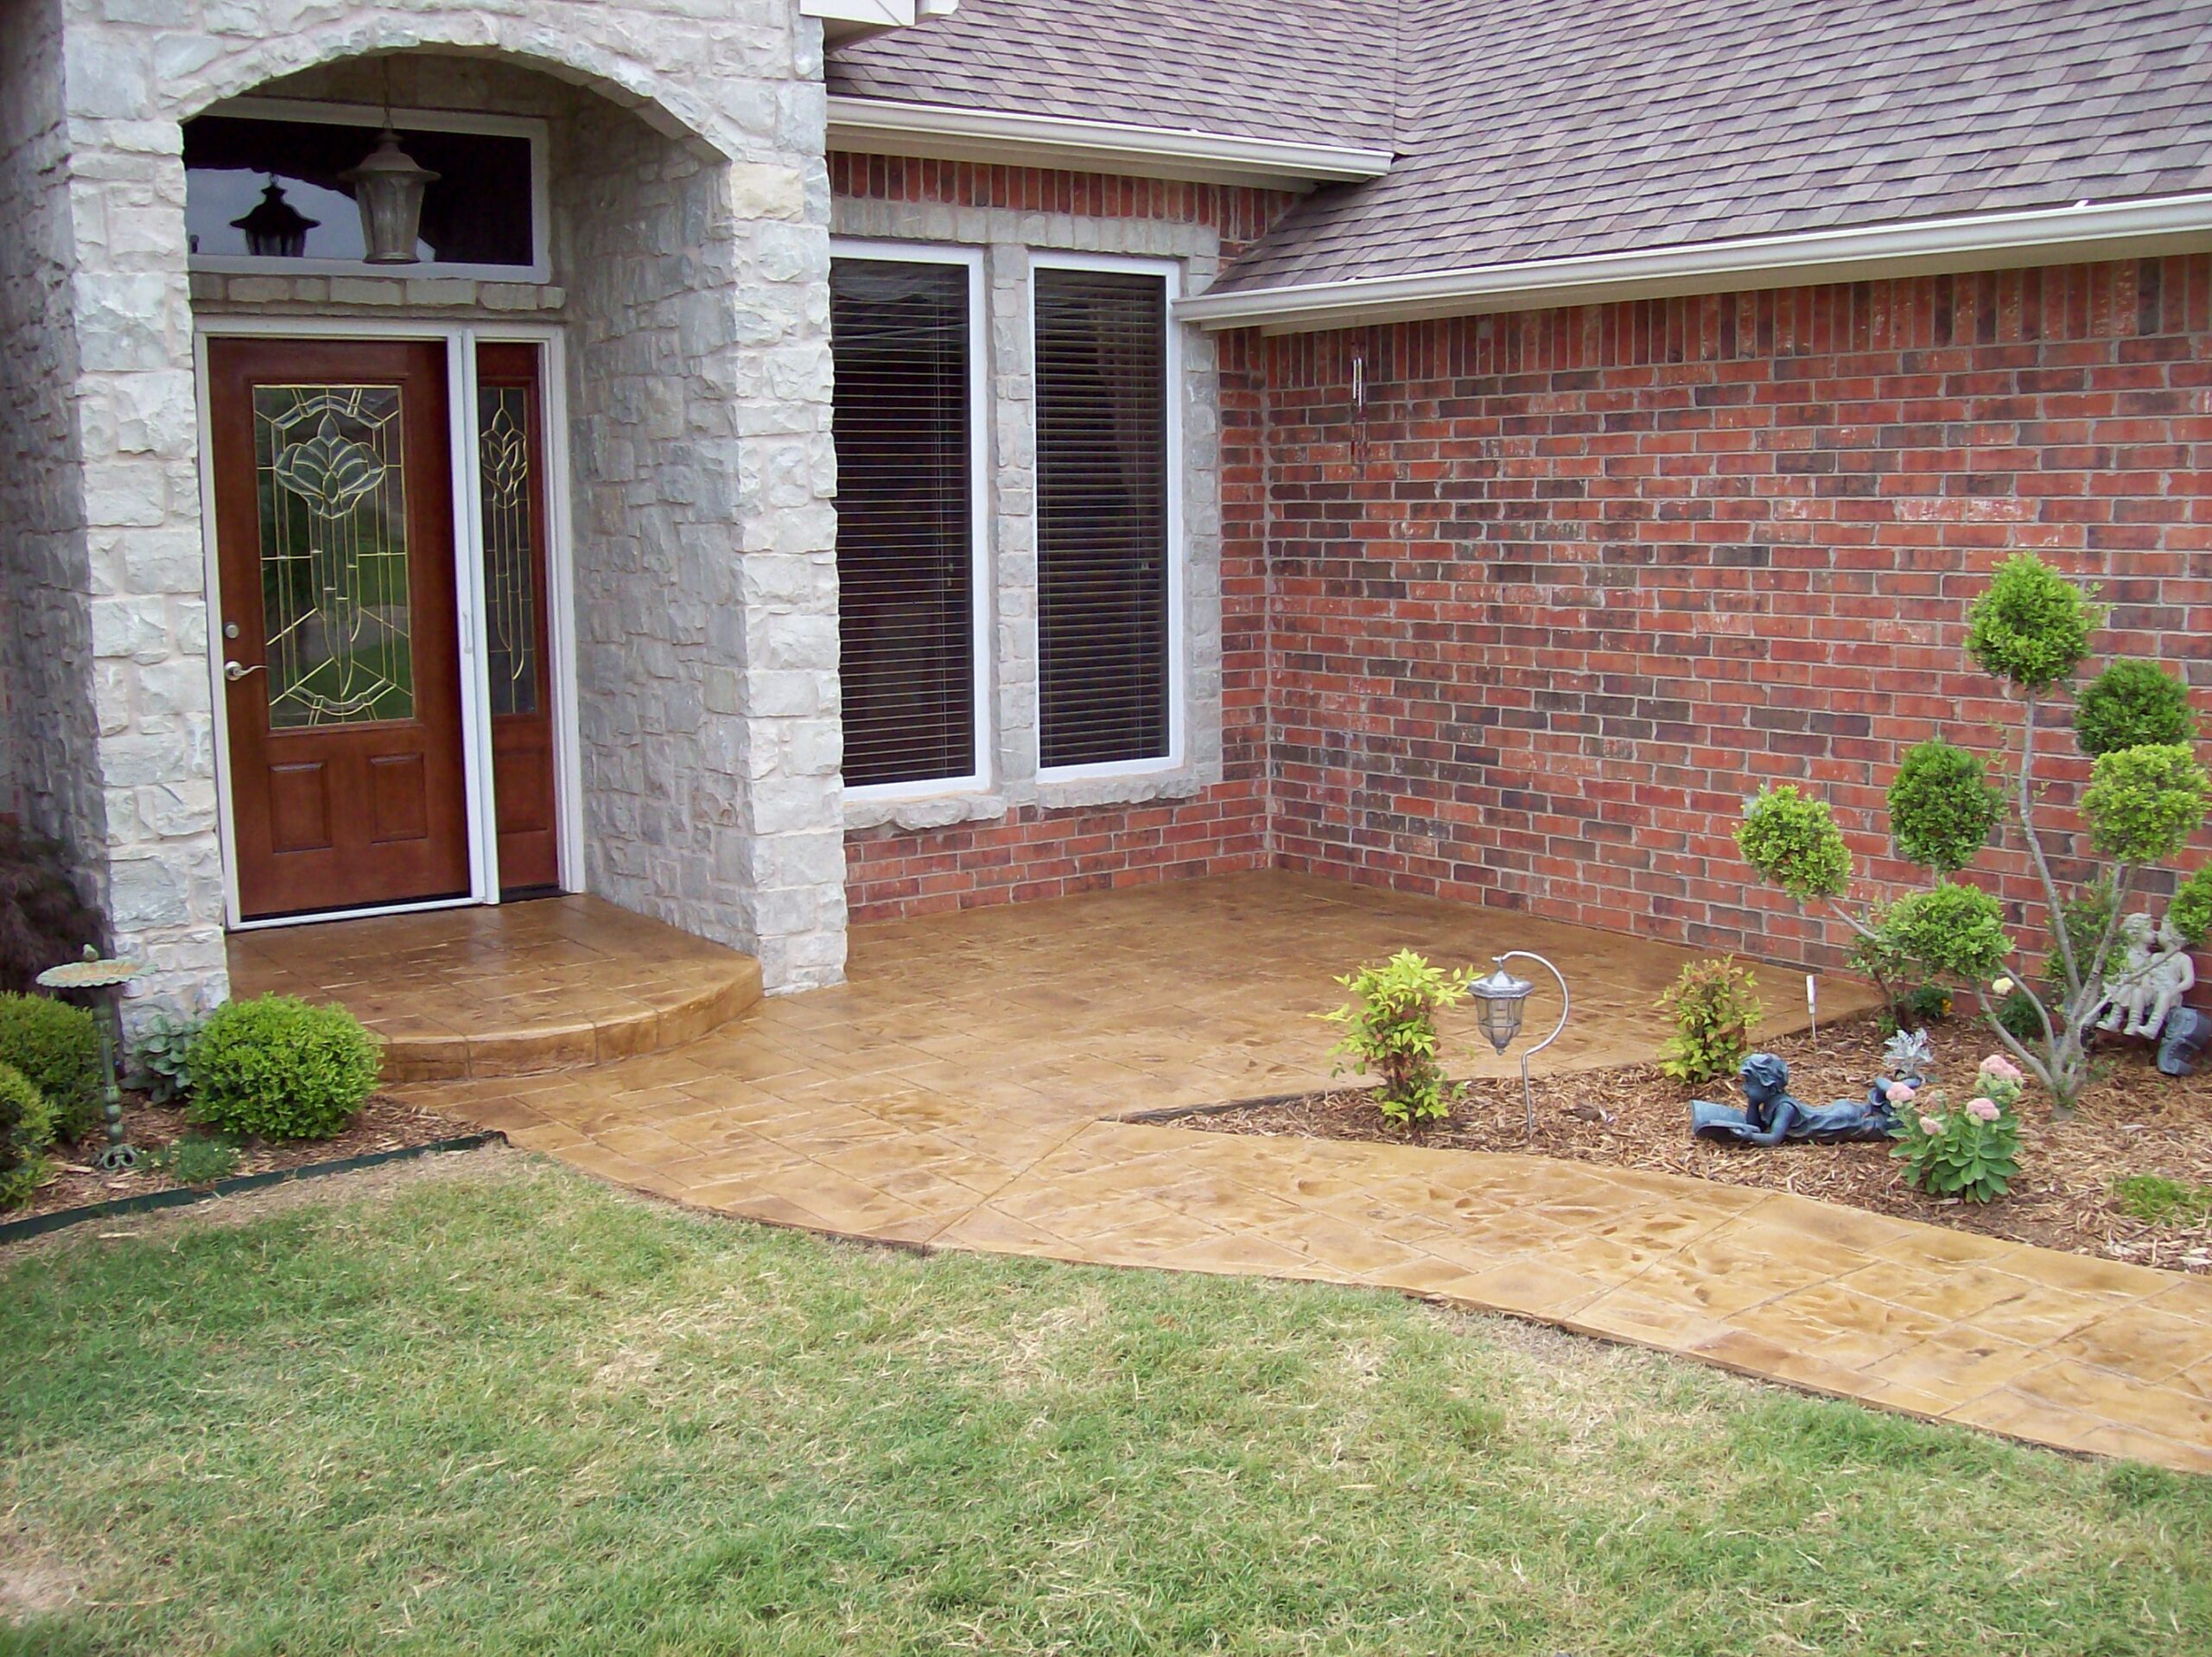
<point>389,188</point>
<point>1504,999</point>
<point>275,229</point>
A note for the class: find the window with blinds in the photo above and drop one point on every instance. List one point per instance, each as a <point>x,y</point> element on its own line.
<point>1102,556</point>
<point>905,620</point>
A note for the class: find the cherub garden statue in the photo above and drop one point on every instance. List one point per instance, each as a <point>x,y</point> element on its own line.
<point>2143,992</point>
<point>1770,1116</point>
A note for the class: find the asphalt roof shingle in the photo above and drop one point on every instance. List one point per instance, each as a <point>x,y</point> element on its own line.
<point>1528,130</point>
<point>1310,70</point>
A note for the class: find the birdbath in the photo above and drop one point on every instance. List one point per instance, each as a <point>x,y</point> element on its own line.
<point>103,977</point>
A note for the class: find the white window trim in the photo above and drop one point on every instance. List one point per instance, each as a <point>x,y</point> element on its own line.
<point>539,269</point>
<point>1178,559</point>
<point>461,341</point>
<point>981,595</point>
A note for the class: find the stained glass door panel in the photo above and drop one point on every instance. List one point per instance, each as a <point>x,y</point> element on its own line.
<point>334,521</point>
<point>510,472</point>
<point>332,495</point>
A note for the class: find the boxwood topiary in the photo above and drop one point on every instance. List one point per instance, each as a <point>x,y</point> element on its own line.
<point>1794,842</point>
<point>1942,807</point>
<point>25,1129</point>
<point>2191,909</point>
<point>2144,804</point>
<point>2031,626</point>
<point>57,1047</point>
<point>278,1069</point>
<point>2132,705</point>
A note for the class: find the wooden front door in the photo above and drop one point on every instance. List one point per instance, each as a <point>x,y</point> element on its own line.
<point>511,467</point>
<point>333,534</point>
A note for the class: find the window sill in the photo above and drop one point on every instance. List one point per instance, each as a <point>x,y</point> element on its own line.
<point>414,292</point>
<point>863,811</point>
<point>1131,787</point>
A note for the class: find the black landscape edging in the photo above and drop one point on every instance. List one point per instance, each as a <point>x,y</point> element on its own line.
<point>1169,1113</point>
<point>183,1196</point>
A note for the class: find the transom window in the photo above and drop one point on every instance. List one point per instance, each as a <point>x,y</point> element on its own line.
<point>266,188</point>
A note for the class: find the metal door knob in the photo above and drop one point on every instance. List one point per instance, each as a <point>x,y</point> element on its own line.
<point>235,671</point>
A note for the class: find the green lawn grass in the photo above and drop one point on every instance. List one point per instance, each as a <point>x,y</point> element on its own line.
<point>504,1410</point>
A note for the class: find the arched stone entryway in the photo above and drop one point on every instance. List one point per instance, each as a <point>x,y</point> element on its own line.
<point>689,252</point>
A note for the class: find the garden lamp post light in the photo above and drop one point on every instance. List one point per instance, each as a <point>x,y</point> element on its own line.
<point>103,978</point>
<point>1504,999</point>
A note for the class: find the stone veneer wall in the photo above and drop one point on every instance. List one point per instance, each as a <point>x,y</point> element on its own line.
<point>1023,837</point>
<point>702,476</point>
<point>1579,581</point>
<point>734,274</point>
<point>48,722</point>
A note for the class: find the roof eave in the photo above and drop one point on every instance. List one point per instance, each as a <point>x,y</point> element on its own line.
<point>855,20</point>
<point>2081,233</point>
<point>998,137</point>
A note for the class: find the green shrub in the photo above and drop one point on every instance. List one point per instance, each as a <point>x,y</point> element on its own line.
<point>2132,705</point>
<point>2144,804</point>
<point>194,1160</point>
<point>1916,1008</point>
<point>1942,807</point>
<point>1972,1151</point>
<point>2016,1017</point>
<point>1392,1031</point>
<point>1794,843</point>
<point>1715,1008</point>
<point>42,921</point>
<point>164,1055</point>
<point>2191,909</point>
<point>2032,625</point>
<point>57,1046</point>
<point>278,1069</point>
<point>1947,931</point>
<point>25,1129</point>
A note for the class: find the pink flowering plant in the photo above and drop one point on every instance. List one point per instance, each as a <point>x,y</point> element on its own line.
<point>1971,1152</point>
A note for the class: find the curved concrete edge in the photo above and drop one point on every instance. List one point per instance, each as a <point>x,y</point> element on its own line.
<point>723,995</point>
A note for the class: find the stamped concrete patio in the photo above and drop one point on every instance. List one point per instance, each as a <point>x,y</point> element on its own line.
<point>961,1091</point>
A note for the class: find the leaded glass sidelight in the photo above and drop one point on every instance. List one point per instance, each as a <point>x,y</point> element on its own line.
<point>509,561</point>
<point>333,554</point>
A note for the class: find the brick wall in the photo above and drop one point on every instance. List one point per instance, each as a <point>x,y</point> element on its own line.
<point>1576,582</point>
<point>1240,213</point>
<point>1034,848</point>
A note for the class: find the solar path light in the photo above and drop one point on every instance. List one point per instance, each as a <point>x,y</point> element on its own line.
<point>1504,998</point>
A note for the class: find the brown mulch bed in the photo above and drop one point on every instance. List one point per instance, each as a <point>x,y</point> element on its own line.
<point>2137,1121</point>
<point>383,1124</point>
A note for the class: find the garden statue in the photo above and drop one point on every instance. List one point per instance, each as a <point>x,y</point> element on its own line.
<point>2185,1035</point>
<point>2154,972</point>
<point>1770,1116</point>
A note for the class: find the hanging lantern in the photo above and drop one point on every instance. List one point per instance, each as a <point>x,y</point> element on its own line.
<point>389,188</point>
<point>275,229</point>
<point>1502,997</point>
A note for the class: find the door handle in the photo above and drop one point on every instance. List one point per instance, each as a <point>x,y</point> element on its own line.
<point>235,671</point>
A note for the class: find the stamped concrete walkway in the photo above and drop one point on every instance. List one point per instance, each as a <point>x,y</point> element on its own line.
<point>960,1092</point>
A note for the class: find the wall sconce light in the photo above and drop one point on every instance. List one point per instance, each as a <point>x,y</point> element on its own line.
<point>1504,999</point>
<point>275,229</point>
<point>389,188</point>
